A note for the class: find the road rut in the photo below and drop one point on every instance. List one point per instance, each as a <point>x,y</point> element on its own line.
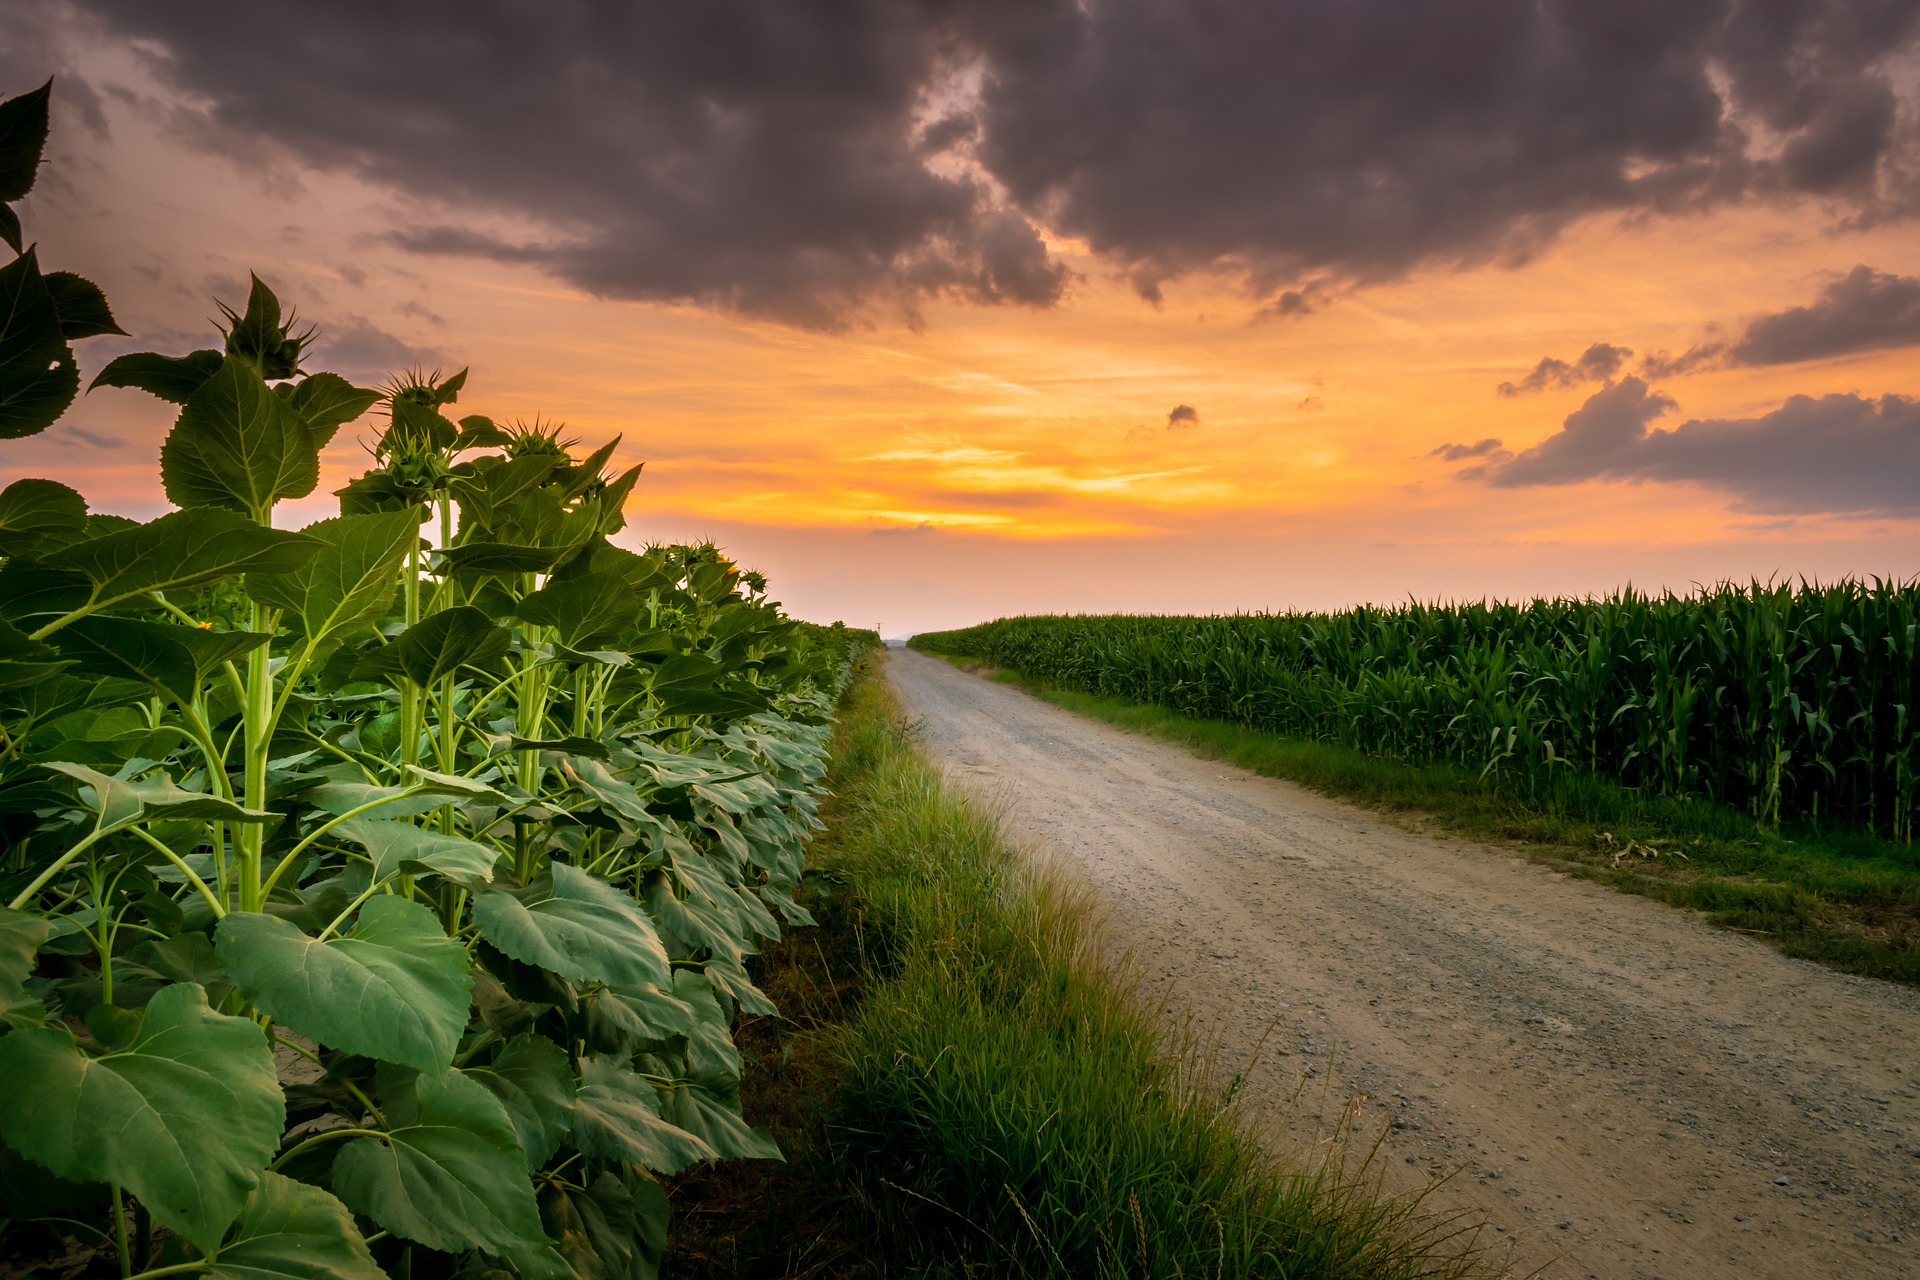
<point>1621,1089</point>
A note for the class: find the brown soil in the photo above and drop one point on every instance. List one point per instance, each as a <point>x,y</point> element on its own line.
<point>1621,1089</point>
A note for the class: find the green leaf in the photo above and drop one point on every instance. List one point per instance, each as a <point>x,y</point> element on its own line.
<point>10,227</point>
<point>326,402</point>
<point>480,559</point>
<point>187,957</point>
<point>711,1053</point>
<point>172,378</point>
<point>609,791</point>
<point>450,1174</point>
<point>534,1081</point>
<point>612,500</point>
<point>441,643</point>
<point>591,748</point>
<point>32,511</point>
<point>20,939</point>
<point>186,1117</point>
<point>699,1112</point>
<point>238,445</point>
<point>576,925</point>
<point>400,846</point>
<point>81,306</point>
<point>480,432</point>
<point>172,659</point>
<point>22,662</point>
<point>120,803</point>
<point>395,987</point>
<point>486,485</point>
<point>291,1231</point>
<point>349,583</point>
<point>38,378</point>
<point>455,785</point>
<point>587,612</point>
<point>422,796</point>
<point>630,1016</point>
<point>601,1232</point>
<point>583,475</point>
<point>617,1117</point>
<point>182,549</point>
<point>23,136</point>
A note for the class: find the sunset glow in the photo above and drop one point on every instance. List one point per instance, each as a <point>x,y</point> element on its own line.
<point>935,458</point>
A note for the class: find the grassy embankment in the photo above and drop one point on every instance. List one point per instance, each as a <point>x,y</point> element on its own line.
<point>1844,899</point>
<point>962,1091</point>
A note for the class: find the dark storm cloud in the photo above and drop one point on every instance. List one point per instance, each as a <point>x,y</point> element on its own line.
<point>1182,416</point>
<point>1836,454</point>
<point>808,161</point>
<point>1864,310</point>
<point>1600,362</point>
<point>357,347</point>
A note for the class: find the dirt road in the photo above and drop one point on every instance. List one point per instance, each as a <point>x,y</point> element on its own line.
<point>1621,1086</point>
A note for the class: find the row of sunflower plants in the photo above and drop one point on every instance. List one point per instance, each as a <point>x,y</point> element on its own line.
<point>377,897</point>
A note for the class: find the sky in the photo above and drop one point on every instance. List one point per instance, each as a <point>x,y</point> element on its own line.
<point>943,310</point>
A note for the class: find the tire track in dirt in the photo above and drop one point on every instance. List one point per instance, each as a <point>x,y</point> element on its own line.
<point>1620,1086</point>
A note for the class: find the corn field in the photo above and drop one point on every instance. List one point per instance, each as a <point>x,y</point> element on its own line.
<point>1794,703</point>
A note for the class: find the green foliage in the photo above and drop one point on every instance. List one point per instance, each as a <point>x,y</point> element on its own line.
<point>291,1231</point>
<point>466,821</point>
<point>1792,704</point>
<point>1005,1107</point>
<point>40,313</point>
<point>394,987</point>
<point>185,1114</point>
<point>448,1172</point>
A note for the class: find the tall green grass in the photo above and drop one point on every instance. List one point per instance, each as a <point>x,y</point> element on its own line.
<point>1006,1107</point>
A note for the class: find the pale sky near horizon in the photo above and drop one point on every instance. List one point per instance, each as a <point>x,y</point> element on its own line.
<point>942,312</point>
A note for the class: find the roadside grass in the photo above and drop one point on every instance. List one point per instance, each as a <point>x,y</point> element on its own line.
<point>1843,899</point>
<point>964,1090</point>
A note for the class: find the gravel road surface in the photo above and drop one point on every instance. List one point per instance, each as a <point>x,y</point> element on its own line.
<point>1620,1089</point>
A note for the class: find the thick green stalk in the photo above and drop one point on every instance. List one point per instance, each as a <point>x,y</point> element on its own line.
<point>410,693</point>
<point>257,741</point>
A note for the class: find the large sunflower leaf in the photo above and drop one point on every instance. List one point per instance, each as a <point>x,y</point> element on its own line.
<point>444,642</point>
<point>617,1117</point>
<point>38,377</point>
<point>33,511</point>
<point>450,1174</point>
<point>291,1231</point>
<point>398,846</point>
<point>20,938</point>
<point>534,1081</point>
<point>81,306</point>
<point>23,136</point>
<point>350,582</point>
<point>172,659</point>
<point>700,1112</point>
<point>238,445</point>
<point>118,802</point>
<point>173,378</point>
<point>181,549</point>
<point>327,401</point>
<point>395,987</point>
<point>186,1116</point>
<point>575,925</point>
